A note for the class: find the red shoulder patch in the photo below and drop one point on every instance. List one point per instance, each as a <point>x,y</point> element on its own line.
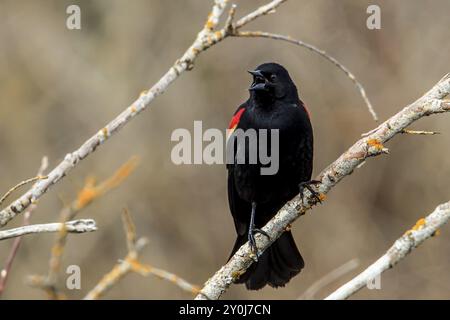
<point>306,109</point>
<point>235,120</point>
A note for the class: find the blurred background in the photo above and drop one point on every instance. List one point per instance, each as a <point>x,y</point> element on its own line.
<point>58,87</point>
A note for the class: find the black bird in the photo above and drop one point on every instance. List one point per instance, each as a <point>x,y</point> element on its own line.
<point>255,198</point>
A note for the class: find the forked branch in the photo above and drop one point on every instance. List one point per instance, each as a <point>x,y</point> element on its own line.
<point>131,264</point>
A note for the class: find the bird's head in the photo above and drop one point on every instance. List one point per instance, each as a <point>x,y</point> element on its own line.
<point>272,82</point>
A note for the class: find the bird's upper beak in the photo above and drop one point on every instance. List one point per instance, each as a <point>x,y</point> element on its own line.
<point>259,81</point>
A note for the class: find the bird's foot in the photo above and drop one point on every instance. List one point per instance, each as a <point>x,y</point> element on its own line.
<point>308,185</point>
<point>252,241</point>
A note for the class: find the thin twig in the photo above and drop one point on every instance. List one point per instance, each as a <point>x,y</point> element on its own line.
<point>131,264</point>
<point>424,133</point>
<point>122,268</point>
<point>91,191</point>
<point>229,22</point>
<point>372,145</point>
<point>424,229</point>
<point>76,226</point>
<point>5,272</point>
<point>119,271</point>
<point>330,277</point>
<point>205,39</point>
<point>20,184</point>
<point>145,270</point>
<point>359,86</point>
<point>268,8</point>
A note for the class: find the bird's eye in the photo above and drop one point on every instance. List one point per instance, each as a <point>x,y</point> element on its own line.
<point>273,77</point>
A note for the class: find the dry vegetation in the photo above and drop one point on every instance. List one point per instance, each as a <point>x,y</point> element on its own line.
<point>58,87</point>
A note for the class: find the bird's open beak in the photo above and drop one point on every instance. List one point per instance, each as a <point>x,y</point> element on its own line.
<point>259,81</point>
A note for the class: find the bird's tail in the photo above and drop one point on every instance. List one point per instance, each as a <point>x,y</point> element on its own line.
<point>275,267</point>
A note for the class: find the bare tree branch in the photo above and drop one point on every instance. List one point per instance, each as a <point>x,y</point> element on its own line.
<point>75,226</point>
<point>91,191</point>
<point>424,229</point>
<point>124,267</point>
<point>369,146</point>
<point>4,273</point>
<point>330,277</point>
<point>146,270</point>
<point>119,271</point>
<point>358,85</point>
<point>206,38</point>
<point>132,264</point>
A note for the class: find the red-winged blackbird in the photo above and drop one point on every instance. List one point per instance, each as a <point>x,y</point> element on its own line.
<point>255,198</point>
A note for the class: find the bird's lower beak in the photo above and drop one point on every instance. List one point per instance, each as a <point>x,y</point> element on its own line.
<point>258,87</point>
<point>259,81</point>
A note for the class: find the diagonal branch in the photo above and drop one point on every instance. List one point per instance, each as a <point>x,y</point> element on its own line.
<point>369,146</point>
<point>205,39</point>
<point>424,229</point>
<point>75,226</point>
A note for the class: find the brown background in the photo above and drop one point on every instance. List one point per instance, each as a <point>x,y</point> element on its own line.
<point>58,87</point>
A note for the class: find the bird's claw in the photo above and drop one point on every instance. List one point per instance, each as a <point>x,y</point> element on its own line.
<point>252,241</point>
<point>253,247</point>
<point>307,185</point>
<point>256,230</point>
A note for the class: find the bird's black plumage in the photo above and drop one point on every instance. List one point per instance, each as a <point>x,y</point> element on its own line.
<point>273,104</point>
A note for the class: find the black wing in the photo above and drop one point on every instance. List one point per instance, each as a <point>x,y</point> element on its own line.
<point>239,208</point>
